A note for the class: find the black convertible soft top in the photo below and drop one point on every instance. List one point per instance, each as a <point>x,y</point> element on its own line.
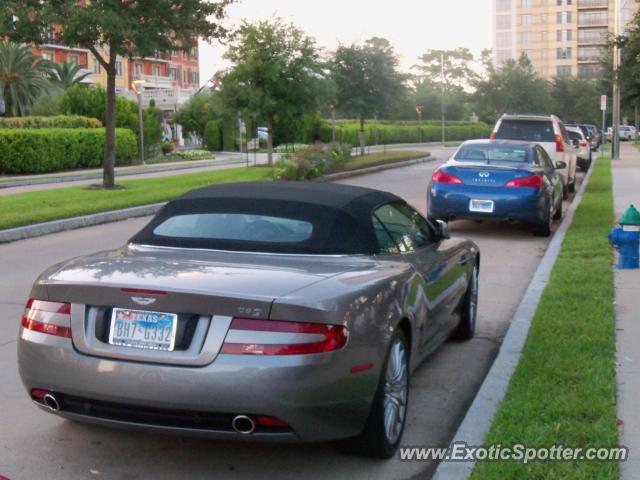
<point>341,215</point>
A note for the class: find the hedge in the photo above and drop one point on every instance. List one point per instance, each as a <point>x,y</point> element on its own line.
<point>386,133</point>
<point>56,121</point>
<point>229,136</point>
<point>53,149</point>
<point>213,135</point>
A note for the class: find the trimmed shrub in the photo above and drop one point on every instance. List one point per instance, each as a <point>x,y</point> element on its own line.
<point>53,149</point>
<point>403,132</point>
<point>312,162</point>
<point>213,135</point>
<point>152,126</point>
<point>229,136</point>
<point>56,121</point>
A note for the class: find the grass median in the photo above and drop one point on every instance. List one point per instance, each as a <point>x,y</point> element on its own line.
<point>563,391</point>
<point>55,204</point>
<point>381,158</point>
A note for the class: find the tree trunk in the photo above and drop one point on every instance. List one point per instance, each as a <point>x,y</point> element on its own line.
<point>108,165</point>
<point>270,142</point>
<point>362,135</point>
<point>636,111</point>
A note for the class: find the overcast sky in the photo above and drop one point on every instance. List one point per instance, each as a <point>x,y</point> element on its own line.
<point>412,26</point>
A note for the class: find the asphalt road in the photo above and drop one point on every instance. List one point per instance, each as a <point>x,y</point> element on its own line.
<point>34,444</point>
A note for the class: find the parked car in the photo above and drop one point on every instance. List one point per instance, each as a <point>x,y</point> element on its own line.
<point>583,149</point>
<point>625,132</point>
<point>590,133</point>
<point>498,180</point>
<point>550,133</point>
<point>277,311</point>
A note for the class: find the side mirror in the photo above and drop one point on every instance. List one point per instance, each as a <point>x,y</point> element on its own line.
<point>442,228</point>
<point>560,165</point>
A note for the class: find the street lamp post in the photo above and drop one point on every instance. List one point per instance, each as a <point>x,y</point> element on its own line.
<point>442,97</point>
<point>138,91</point>
<point>332,108</point>
<point>419,112</point>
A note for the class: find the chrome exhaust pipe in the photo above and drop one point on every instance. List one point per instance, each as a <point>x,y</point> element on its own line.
<point>243,425</point>
<point>51,402</point>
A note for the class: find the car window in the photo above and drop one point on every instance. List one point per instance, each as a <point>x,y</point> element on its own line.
<point>406,226</point>
<point>528,130</point>
<point>492,152</point>
<point>543,159</point>
<point>385,242</point>
<point>235,226</point>
<point>574,135</point>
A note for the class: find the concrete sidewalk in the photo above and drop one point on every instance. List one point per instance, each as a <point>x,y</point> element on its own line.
<point>626,191</point>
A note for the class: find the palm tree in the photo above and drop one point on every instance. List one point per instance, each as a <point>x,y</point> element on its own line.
<point>66,74</point>
<point>22,77</point>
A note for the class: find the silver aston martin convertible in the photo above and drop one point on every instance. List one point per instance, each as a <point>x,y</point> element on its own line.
<point>272,311</point>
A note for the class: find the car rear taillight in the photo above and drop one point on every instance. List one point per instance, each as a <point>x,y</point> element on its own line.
<point>559,144</point>
<point>442,177</point>
<point>493,136</point>
<point>52,318</point>
<point>272,337</point>
<point>584,144</point>
<point>532,181</point>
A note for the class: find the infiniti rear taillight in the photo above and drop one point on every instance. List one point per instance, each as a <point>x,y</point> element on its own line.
<point>493,136</point>
<point>442,177</point>
<point>271,337</point>
<point>559,144</point>
<point>51,318</point>
<point>532,181</point>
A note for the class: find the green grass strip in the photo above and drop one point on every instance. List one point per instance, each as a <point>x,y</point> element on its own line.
<point>564,388</point>
<point>54,204</point>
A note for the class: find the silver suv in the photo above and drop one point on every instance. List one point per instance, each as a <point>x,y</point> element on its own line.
<point>550,133</point>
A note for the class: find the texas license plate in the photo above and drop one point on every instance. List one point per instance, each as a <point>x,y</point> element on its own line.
<point>481,206</point>
<point>143,329</point>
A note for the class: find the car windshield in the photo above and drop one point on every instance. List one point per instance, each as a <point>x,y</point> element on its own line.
<point>528,130</point>
<point>574,135</point>
<point>492,153</point>
<point>235,226</point>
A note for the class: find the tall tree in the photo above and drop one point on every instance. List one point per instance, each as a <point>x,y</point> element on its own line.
<point>21,77</point>
<point>575,99</point>
<point>367,80</point>
<point>67,74</point>
<point>514,87</point>
<point>275,74</point>
<point>451,67</point>
<point>111,29</point>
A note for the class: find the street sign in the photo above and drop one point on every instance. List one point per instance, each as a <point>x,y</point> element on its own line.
<point>603,103</point>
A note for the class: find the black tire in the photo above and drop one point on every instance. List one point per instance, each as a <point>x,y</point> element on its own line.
<point>373,441</point>
<point>572,185</point>
<point>565,192</point>
<point>558,214</point>
<point>469,311</point>
<point>543,229</point>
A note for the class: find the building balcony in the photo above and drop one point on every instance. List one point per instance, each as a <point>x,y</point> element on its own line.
<point>55,42</point>
<point>154,81</point>
<point>587,4</point>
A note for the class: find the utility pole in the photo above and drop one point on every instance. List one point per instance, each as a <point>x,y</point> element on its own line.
<point>615,123</point>
<point>419,112</point>
<point>442,97</point>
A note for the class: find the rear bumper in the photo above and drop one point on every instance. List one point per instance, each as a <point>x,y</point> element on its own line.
<point>316,395</point>
<point>452,201</point>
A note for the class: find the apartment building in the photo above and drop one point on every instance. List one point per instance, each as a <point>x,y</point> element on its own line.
<point>169,78</point>
<point>560,37</point>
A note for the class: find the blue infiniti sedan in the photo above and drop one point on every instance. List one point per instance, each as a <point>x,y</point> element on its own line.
<point>498,180</point>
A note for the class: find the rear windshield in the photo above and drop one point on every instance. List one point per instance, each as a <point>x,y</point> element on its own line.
<point>574,135</point>
<point>527,130</point>
<point>492,153</point>
<point>236,226</point>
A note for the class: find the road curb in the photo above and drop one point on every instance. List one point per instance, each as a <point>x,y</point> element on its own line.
<point>481,413</point>
<point>44,180</point>
<point>377,168</point>
<point>56,226</point>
